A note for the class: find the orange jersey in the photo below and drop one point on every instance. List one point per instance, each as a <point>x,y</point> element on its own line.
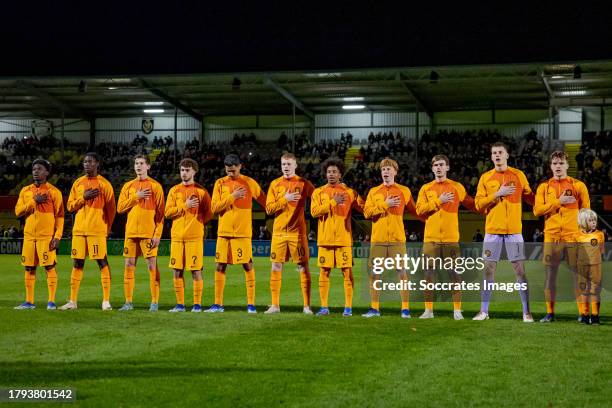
<point>560,219</point>
<point>504,214</point>
<point>145,217</point>
<point>442,223</point>
<point>93,217</point>
<point>590,247</point>
<point>388,223</point>
<point>235,215</point>
<point>188,223</point>
<point>334,220</point>
<point>289,218</point>
<point>45,220</point>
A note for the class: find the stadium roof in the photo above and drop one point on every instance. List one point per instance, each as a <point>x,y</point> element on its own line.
<point>429,89</point>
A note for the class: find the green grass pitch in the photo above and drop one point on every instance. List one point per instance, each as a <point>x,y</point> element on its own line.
<point>233,359</point>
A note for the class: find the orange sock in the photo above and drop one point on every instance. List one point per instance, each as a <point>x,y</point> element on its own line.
<point>347,274</point>
<point>52,283</point>
<point>154,284</point>
<point>549,296</point>
<point>374,294</point>
<point>219,287</point>
<point>595,308</point>
<point>179,290</point>
<point>324,287</point>
<point>275,286</point>
<point>405,296</point>
<point>128,283</point>
<point>30,281</point>
<point>75,283</point>
<point>428,305</point>
<point>198,287</point>
<point>105,278</point>
<point>305,285</point>
<point>249,280</point>
<point>584,308</point>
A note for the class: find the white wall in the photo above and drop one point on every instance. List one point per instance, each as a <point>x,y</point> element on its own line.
<point>76,130</point>
<point>512,123</point>
<point>125,129</point>
<point>360,125</point>
<point>265,127</point>
<point>570,124</point>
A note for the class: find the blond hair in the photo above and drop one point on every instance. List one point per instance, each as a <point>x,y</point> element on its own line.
<point>387,161</point>
<point>584,216</point>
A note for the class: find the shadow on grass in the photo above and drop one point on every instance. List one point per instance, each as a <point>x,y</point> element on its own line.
<point>20,373</point>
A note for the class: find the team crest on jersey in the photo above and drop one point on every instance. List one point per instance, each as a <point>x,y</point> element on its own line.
<point>487,253</point>
<point>172,261</point>
<point>594,242</point>
<point>74,251</point>
<point>147,126</point>
<point>273,255</point>
<point>568,192</point>
<point>125,251</point>
<point>216,255</point>
<point>322,259</point>
<point>22,258</point>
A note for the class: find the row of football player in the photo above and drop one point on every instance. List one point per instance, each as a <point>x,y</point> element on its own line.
<point>500,195</point>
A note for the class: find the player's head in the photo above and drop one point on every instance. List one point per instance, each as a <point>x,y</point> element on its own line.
<point>288,164</point>
<point>91,162</point>
<point>388,170</point>
<point>232,165</point>
<point>499,154</point>
<point>440,166</point>
<point>40,170</point>
<point>559,164</point>
<point>188,168</point>
<point>333,169</point>
<point>587,219</point>
<point>142,165</point>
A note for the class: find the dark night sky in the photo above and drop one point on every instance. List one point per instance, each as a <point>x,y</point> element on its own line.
<point>116,38</point>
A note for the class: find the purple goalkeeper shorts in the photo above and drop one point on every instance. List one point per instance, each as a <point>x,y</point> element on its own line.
<point>492,247</point>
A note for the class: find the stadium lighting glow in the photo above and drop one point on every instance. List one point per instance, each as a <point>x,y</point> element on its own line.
<point>154,103</point>
<point>353,98</point>
<point>153,110</point>
<point>557,77</point>
<point>352,107</point>
<point>572,93</point>
<point>112,87</point>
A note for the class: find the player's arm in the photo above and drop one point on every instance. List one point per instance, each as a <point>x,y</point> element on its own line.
<point>358,202</point>
<point>411,205</point>
<point>320,206</point>
<point>58,208</point>
<point>174,208</point>
<point>274,204</point>
<point>126,202</point>
<point>542,206</point>
<point>205,206</point>
<point>257,193</point>
<point>159,210</point>
<point>74,202</point>
<point>528,194</point>
<point>110,208</point>
<point>484,201</point>
<point>220,201</point>
<point>24,207</point>
<point>424,206</point>
<point>372,208</point>
<point>466,200</point>
<point>584,200</point>
<point>602,242</point>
